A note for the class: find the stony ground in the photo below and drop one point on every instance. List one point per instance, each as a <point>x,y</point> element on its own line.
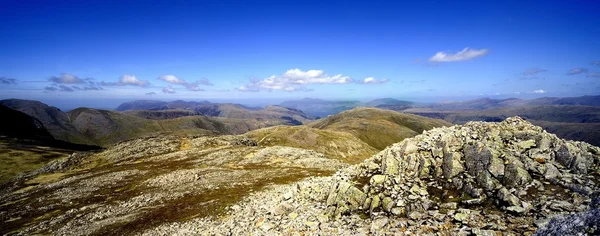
<point>144,182</point>
<point>507,178</point>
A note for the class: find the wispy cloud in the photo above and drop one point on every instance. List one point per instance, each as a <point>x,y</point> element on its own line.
<point>593,75</point>
<point>294,80</point>
<point>67,82</point>
<point>204,81</point>
<point>68,88</point>
<point>127,79</point>
<point>532,78</point>
<point>371,80</point>
<point>60,88</point>
<point>532,71</point>
<point>67,78</point>
<point>169,90</point>
<point>65,88</point>
<point>193,86</point>
<point>576,71</point>
<point>4,80</point>
<point>50,88</point>
<point>465,54</point>
<point>151,93</point>
<point>596,63</point>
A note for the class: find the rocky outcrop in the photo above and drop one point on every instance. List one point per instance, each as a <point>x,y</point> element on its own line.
<point>512,167</point>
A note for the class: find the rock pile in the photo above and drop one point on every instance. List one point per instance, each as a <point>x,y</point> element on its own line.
<point>511,167</point>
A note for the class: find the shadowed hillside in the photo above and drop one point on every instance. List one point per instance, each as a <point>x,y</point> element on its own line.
<point>54,120</point>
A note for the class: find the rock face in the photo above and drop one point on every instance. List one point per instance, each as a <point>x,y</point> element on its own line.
<point>511,168</point>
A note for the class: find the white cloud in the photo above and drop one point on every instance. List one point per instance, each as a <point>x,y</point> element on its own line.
<point>171,79</point>
<point>168,90</point>
<point>297,76</point>
<point>539,91</point>
<point>371,80</point>
<point>294,80</point>
<point>465,54</point>
<point>131,80</point>
<point>151,93</point>
<point>596,63</point>
<point>577,71</point>
<point>126,79</point>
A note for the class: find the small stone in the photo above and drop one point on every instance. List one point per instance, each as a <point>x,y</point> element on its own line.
<point>415,215</point>
<point>377,180</point>
<point>398,211</point>
<point>516,209</point>
<point>288,195</point>
<point>480,232</point>
<point>449,206</point>
<point>460,217</point>
<point>312,224</point>
<point>375,203</point>
<point>266,226</point>
<point>378,224</point>
<point>388,203</point>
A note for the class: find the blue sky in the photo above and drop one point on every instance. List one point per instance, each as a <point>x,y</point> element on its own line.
<point>95,52</point>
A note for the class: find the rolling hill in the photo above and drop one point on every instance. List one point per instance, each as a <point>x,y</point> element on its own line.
<point>334,144</point>
<point>377,127</point>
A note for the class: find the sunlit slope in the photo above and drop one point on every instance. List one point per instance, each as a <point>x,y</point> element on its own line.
<point>334,144</point>
<point>377,127</point>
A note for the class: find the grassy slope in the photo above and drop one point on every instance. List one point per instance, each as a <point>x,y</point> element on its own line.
<point>17,156</point>
<point>377,127</point>
<point>334,144</point>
